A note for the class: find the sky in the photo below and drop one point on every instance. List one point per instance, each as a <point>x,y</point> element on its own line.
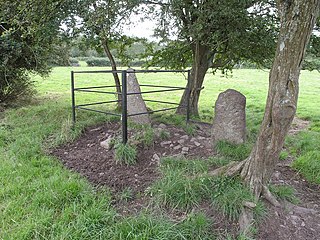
<point>140,29</point>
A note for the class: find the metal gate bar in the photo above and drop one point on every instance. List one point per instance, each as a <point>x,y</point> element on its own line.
<point>124,94</point>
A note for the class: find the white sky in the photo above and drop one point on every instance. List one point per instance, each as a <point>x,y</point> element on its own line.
<point>139,28</point>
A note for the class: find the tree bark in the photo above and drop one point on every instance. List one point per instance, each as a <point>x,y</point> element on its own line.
<point>104,43</point>
<point>297,20</point>
<point>200,66</point>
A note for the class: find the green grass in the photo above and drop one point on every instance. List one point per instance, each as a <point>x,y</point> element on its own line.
<point>309,165</point>
<point>124,153</point>
<point>40,199</point>
<point>235,152</point>
<point>184,185</point>
<point>284,192</point>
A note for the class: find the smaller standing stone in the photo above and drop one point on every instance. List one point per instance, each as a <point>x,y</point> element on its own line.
<point>229,122</point>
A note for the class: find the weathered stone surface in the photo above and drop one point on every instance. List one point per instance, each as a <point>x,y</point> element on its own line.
<point>177,147</point>
<point>106,143</point>
<point>185,149</point>
<point>161,125</point>
<point>229,122</point>
<point>135,101</point>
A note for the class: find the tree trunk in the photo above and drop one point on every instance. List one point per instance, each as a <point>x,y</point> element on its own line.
<point>200,66</point>
<point>114,68</point>
<point>297,21</point>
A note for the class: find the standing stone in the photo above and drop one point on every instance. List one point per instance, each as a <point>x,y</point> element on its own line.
<point>135,102</point>
<point>229,122</point>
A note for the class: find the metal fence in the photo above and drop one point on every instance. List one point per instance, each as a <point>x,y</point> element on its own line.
<point>124,94</point>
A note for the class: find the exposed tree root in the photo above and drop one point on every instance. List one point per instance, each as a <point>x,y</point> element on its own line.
<point>269,197</point>
<point>246,219</point>
<point>231,169</point>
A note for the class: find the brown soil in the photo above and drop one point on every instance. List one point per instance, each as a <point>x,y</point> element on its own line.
<point>87,157</point>
<point>97,164</point>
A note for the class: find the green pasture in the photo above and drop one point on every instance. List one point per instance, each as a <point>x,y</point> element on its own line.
<point>40,199</point>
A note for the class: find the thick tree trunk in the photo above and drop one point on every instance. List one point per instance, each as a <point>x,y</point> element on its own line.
<point>200,65</point>
<point>297,21</point>
<point>104,43</point>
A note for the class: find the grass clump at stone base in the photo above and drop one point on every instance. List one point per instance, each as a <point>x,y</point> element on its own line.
<point>124,153</point>
<point>184,185</point>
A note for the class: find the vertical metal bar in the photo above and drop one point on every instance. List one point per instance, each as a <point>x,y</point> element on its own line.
<point>188,97</point>
<point>124,108</point>
<point>73,100</point>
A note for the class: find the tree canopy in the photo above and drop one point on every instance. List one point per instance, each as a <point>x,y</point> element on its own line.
<point>28,31</point>
<point>213,34</point>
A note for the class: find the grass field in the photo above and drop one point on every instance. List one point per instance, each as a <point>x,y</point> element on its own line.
<point>40,199</point>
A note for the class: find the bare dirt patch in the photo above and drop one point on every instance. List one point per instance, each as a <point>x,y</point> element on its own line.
<point>97,164</point>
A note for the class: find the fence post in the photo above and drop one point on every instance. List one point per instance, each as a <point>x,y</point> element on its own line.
<point>73,100</point>
<point>124,117</point>
<point>188,96</point>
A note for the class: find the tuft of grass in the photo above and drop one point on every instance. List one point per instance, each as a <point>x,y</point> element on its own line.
<point>284,192</point>
<point>303,143</point>
<point>189,129</point>
<point>164,135</point>
<point>151,226</point>
<point>184,185</point>
<point>126,194</point>
<point>219,161</point>
<point>176,189</point>
<point>228,195</point>
<point>148,137</point>
<point>145,134</point>
<point>124,153</point>
<point>309,166</point>
<point>283,155</point>
<point>233,151</point>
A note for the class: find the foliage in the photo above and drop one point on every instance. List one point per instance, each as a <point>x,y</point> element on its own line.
<point>27,42</point>
<point>102,25</point>
<point>97,62</point>
<point>124,153</point>
<point>250,34</point>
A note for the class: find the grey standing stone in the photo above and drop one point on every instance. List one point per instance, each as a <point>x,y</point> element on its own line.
<point>135,101</point>
<point>229,122</point>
